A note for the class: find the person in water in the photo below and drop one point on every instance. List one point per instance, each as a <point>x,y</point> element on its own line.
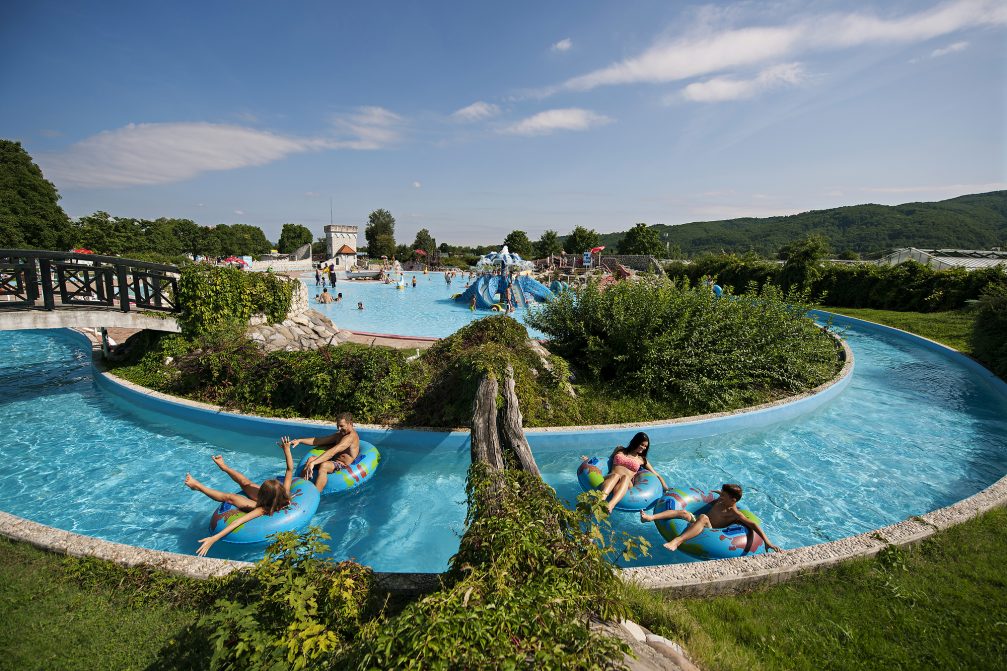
<point>624,464</point>
<point>360,306</point>
<point>325,296</point>
<point>255,500</point>
<point>720,514</point>
<point>343,448</point>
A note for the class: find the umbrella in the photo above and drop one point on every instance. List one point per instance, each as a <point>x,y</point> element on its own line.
<point>597,249</point>
<point>421,252</point>
<point>82,251</point>
<point>235,259</point>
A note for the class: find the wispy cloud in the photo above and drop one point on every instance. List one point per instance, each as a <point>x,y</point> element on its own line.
<point>563,45</point>
<point>477,111</point>
<point>417,185</point>
<point>550,121</point>
<point>706,50</point>
<point>939,188</point>
<point>160,153</point>
<point>950,49</point>
<point>720,89</point>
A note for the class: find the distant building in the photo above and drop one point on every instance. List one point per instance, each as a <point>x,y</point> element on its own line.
<point>943,259</point>
<point>341,246</point>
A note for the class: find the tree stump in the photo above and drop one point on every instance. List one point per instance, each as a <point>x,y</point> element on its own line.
<point>494,431</point>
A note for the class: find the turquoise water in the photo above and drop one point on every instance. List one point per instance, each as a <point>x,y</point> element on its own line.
<point>914,431</point>
<point>423,310</point>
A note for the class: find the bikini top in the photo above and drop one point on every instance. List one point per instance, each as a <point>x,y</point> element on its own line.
<point>620,459</point>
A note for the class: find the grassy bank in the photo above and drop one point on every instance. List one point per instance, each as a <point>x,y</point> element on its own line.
<point>941,604</point>
<point>952,328</point>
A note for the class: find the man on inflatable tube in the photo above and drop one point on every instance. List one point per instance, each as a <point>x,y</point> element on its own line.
<point>343,449</point>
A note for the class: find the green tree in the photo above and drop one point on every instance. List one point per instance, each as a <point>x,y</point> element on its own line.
<point>30,215</point>
<point>581,240</point>
<point>188,234</point>
<point>292,236</point>
<point>548,244</point>
<point>804,258</point>
<point>518,243</point>
<point>642,239</point>
<point>380,233</point>
<point>403,252</point>
<point>425,241</point>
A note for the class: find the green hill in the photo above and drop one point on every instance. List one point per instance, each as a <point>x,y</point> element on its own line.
<point>977,221</point>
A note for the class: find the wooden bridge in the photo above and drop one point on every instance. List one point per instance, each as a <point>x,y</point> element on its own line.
<point>44,289</point>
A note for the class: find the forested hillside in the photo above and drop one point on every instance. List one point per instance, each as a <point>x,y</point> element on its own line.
<point>976,221</point>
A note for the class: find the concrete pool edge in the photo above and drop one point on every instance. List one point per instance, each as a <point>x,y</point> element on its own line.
<point>558,437</point>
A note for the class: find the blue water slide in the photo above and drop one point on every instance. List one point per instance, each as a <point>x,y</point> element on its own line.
<point>532,287</point>
<point>517,295</point>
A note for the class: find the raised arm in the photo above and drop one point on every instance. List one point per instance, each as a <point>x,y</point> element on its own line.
<point>288,476</point>
<point>318,441</point>
<point>207,543</point>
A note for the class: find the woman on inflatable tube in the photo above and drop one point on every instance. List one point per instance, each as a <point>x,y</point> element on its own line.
<point>254,500</point>
<point>624,467</point>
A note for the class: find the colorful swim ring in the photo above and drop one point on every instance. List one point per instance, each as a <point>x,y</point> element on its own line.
<point>496,308</point>
<point>354,475</point>
<point>304,500</point>
<point>733,541</point>
<point>645,491</point>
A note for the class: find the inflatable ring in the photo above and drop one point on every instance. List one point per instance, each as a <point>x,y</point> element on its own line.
<point>496,308</point>
<point>733,541</point>
<point>354,475</point>
<point>304,500</point>
<point>645,491</point>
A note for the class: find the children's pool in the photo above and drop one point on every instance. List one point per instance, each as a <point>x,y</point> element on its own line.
<point>915,430</point>
<point>424,310</point>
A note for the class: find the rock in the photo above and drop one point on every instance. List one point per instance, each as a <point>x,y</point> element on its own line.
<point>287,322</point>
<point>635,630</point>
<point>285,332</point>
<point>672,651</point>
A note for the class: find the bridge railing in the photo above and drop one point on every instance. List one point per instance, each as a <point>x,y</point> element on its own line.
<point>35,279</point>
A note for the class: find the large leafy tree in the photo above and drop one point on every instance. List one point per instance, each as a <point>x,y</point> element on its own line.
<point>380,233</point>
<point>518,243</point>
<point>188,233</point>
<point>292,236</point>
<point>581,240</point>
<point>30,215</point>
<point>804,258</point>
<point>548,244</point>
<point>425,241</point>
<point>642,239</point>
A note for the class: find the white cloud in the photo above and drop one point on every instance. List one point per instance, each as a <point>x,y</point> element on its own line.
<point>563,45</point>
<point>477,111</point>
<point>239,212</point>
<point>160,153</point>
<point>706,51</point>
<point>417,185</point>
<point>950,49</point>
<point>311,194</point>
<point>720,89</point>
<point>940,188</point>
<point>549,121</point>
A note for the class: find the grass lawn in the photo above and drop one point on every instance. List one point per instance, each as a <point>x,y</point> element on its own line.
<point>953,328</point>
<point>53,620</point>
<point>939,605</point>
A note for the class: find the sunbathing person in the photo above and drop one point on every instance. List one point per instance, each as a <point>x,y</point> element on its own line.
<point>720,514</point>
<point>255,500</point>
<point>624,464</point>
<point>343,448</point>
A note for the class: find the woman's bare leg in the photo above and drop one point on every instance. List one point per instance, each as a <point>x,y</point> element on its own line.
<point>250,488</point>
<point>236,500</point>
<point>702,522</point>
<point>620,491</point>
<point>609,483</point>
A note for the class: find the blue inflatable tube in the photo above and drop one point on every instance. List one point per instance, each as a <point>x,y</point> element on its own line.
<point>733,541</point>
<point>645,491</point>
<point>360,471</point>
<point>304,500</point>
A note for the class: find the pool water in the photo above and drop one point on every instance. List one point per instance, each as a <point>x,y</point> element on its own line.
<point>424,310</point>
<point>914,431</point>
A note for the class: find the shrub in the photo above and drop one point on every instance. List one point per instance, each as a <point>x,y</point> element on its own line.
<point>213,296</point>
<point>456,363</point>
<point>528,576</point>
<point>989,337</point>
<point>671,342</point>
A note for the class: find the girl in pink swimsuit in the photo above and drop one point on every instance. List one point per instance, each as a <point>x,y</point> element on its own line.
<point>624,464</point>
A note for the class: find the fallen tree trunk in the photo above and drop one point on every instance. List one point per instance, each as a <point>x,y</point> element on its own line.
<point>485,439</point>
<point>511,428</point>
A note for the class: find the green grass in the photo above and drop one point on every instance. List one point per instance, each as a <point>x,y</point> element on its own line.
<point>952,328</point>
<point>58,616</point>
<point>939,605</point>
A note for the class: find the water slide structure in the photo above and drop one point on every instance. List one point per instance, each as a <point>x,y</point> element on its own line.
<point>490,291</point>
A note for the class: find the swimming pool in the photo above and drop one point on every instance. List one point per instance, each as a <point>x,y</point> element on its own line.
<point>915,430</point>
<point>424,310</point>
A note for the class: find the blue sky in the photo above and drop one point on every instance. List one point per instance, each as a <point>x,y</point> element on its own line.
<point>473,119</point>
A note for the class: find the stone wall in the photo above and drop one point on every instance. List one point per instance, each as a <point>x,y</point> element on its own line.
<point>283,266</point>
<point>303,328</point>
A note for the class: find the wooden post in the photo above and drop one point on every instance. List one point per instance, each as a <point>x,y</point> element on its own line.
<point>511,428</point>
<point>485,441</point>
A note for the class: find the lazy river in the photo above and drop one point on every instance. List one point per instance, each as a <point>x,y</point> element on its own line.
<point>914,430</point>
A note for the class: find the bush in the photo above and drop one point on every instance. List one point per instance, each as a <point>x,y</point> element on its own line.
<point>665,340</point>
<point>214,296</point>
<point>989,337</point>
<point>455,364</point>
